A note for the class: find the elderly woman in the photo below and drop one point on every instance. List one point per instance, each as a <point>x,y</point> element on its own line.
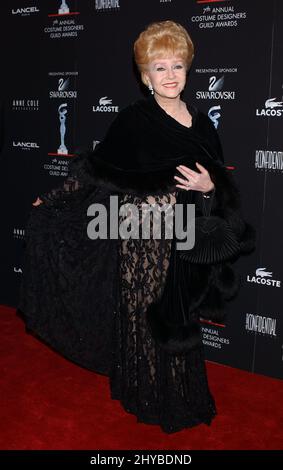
<point>129,307</point>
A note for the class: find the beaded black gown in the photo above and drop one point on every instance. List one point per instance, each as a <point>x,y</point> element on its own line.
<point>158,387</point>
<point>88,298</point>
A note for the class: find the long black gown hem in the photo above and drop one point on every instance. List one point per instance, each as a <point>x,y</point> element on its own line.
<point>190,422</point>
<point>57,348</point>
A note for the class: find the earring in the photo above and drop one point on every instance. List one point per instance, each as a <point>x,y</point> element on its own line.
<point>150,88</point>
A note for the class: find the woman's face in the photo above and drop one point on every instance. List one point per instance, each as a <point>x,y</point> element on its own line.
<point>167,76</point>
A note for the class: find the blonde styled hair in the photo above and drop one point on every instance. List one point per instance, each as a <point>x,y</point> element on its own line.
<point>161,39</point>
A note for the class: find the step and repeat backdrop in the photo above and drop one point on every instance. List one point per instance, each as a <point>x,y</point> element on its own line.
<point>68,70</point>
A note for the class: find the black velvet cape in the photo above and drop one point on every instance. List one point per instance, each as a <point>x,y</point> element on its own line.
<point>70,283</point>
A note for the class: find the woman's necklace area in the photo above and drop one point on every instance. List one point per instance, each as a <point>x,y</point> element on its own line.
<point>182,116</point>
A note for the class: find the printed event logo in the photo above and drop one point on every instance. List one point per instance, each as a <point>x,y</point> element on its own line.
<point>105,106</point>
<point>263,277</point>
<point>212,337</point>
<point>215,88</point>
<point>260,324</point>
<point>18,270</point>
<point>218,16</point>
<point>64,9</point>
<point>25,11</point>
<point>64,22</point>
<point>25,145</point>
<point>215,79</point>
<point>94,143</point>
<point>24,104</point>
<point>272,108</point>
<point>18,233</point>
<point>271,160</point>
<point>59,167</point>
<point>62,110</point>
<point>62,149</point>
<point>106,5</point>
<point>214,114</point>
<point>64,82</point>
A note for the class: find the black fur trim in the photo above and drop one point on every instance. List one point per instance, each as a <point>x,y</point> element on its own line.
<point>213,307</point>
<point>140,181</point>
<point>174,338</point>
<point>248,239</point>
<point>226,280</point>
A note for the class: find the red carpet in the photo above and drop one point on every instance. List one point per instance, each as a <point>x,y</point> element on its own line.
<point>50,403</point>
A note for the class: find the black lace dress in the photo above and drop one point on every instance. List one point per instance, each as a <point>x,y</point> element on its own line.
<point>114,339</point>
<point>64,270</point>
<point>159,388</point>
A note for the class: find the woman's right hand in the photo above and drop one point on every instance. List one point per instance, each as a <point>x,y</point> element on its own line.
<point>37,202</point>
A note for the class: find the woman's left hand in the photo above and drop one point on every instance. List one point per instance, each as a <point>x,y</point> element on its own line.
<point>194,180</point>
